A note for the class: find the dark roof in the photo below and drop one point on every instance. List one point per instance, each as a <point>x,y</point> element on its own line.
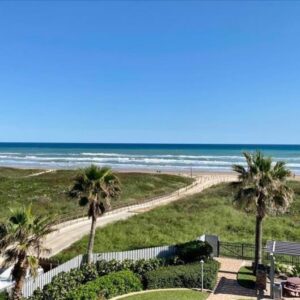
<point>288,248</point>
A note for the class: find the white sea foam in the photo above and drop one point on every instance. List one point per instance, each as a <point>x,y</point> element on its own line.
<point>66,159</point>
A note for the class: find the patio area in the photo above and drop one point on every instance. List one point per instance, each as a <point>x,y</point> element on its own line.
<point>284,269</point>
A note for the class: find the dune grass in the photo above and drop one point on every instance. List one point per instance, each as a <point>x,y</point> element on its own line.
<point>169,295</point>
<point>209,212</point>
<point>48,192</point>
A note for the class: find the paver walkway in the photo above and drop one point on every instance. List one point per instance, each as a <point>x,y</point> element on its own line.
<point>227,287</point>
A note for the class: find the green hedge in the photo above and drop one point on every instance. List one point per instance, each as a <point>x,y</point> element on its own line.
<point>183,276</point>
<point>108,286</point>
<point>140,267</point>
<point>65,282</point>
<point>193,251</point>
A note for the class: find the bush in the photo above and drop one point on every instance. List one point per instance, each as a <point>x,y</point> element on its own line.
<point>296,271</point>
<point>281,268</point>
<point>65,282</point>
<point>194,251</point>
<point>183,276</point>
<point>139,267</point>
<point>105,267</point>
<point>108,286</point>
<point>3,296</point>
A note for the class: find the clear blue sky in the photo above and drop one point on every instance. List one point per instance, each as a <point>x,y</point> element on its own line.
<point>150,71</point>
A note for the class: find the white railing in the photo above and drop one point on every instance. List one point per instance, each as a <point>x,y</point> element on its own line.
<point>41,280</point>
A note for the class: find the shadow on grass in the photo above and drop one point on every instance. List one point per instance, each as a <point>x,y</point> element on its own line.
<point>245,278</point>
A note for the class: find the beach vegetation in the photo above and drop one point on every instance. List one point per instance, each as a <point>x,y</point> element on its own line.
<point>49,192</point>
<point>210,212</point>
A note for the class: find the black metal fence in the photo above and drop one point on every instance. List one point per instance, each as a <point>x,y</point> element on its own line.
<point>285,259</point>
<point>247,251</point>
<point>236,250</point>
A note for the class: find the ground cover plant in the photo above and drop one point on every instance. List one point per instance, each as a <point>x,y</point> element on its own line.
<point>211,212</point>
<point>49,192</point>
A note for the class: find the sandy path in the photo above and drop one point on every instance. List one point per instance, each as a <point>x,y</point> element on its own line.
<point>41,173</point>
<point>72,231</point>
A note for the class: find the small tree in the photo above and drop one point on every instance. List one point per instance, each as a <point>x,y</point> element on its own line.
<point>21,243</point>
<point>262,189</point>
<point>95,187</point>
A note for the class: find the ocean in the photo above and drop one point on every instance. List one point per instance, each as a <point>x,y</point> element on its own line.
<point>163,157</point>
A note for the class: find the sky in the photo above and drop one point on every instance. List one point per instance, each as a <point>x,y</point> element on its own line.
<point>150,71</point>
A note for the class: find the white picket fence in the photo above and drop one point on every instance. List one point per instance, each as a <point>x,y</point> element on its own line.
<point>40,281</point>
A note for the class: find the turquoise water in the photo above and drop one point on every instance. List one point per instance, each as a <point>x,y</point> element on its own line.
<point>140,156</point>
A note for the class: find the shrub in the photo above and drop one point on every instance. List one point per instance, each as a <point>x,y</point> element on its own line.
<point>194,251</point>
<point>296,271</point>
<point>108,286</point>
<point>65,282</point>
<point>3,296</point>
<point>105,267</point>
<point>139,267</point>
<point>89,272</point>
<point>183,276</point>
<point>281,268</point>
<point>142,266</point>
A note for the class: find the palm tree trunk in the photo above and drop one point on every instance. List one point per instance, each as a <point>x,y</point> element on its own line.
<point>258,242</point>
<point>19,275</point>
<point>91,240</point>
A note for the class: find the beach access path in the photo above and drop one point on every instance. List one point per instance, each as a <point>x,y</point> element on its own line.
<point>71,231</point>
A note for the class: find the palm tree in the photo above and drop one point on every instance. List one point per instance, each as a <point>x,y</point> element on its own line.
<point>262,189</point>
<point>21,243</point>
<point>95,187</point>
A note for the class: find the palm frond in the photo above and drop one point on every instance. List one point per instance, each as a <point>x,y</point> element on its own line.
<point>262,184</point>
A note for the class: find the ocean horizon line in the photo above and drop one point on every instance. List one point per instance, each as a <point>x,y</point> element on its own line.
<point>154,143</point>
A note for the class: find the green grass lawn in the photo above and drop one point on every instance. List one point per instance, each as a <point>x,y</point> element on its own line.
<point>169,295</point>
<point>209,212</point>
<point>246,278</point>
<point>49,192</point>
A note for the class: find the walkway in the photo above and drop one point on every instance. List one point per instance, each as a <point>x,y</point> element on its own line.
<point>71,231</point>
<point>40,173</point>
<point>227,287</point>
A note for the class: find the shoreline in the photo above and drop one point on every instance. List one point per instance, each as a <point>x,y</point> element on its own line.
<point>180,172</point>
<point>126,170</point>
